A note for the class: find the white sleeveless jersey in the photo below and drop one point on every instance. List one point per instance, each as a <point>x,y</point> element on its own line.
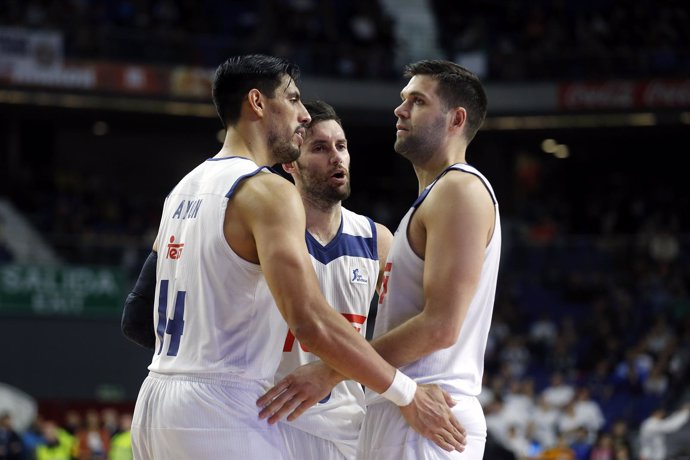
<point>347,269</point>
<point>459,368</point>
<point>214,313</point>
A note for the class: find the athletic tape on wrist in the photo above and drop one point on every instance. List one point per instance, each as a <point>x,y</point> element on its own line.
<point>402,390</point>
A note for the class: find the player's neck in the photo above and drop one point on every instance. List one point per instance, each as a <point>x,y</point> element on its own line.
<point>431,169</point>
<point>323,221</point>
<point>243,144</point>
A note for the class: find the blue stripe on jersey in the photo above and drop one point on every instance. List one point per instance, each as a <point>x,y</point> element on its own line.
<point>426,191</point>
<point>246,176</point>
<point>343,245</point>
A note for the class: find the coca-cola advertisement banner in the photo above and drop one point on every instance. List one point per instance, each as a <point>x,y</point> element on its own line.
<point>612,95</point>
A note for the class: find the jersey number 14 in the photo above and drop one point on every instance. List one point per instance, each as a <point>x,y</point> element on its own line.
<point>172,326</point>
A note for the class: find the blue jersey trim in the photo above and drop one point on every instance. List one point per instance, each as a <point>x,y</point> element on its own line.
<point>342,245</point>
<point>246,176</point>
<point>455,167</point>
<point>227,158</point>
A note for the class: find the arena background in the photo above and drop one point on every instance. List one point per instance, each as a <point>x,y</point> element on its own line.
<point>105,105</point>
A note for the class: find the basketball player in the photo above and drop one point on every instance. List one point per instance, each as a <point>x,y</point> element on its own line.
<point>230,248</point>
<point>437,298</point>
<point>348,252</point>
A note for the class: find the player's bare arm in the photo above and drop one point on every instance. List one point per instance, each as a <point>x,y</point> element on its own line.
<point>458,213</point>
<point>277,228</point>
<point>384,239</point>
<point>317,379</point>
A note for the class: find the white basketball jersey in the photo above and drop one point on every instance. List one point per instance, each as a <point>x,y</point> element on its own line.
<point>214,313</point>
<point>459,368</point>
<point>347,269</point>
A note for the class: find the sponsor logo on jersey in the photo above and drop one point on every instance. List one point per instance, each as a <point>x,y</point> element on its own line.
<point>356,320</point>
<point>358,275</point>
<point>384,286</point>
<point>174,249</point>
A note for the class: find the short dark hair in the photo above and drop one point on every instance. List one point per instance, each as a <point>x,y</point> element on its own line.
<point>457,87</point>
<point>321,111</point>
<point>239,74</point>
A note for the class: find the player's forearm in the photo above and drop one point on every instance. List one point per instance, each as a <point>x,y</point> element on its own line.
<point>338,345</point>
<point>414,339</point>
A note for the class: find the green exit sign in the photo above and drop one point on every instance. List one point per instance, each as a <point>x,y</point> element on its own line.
<point>61,290</point>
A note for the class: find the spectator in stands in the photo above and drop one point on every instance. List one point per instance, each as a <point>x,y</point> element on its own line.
<point>111,421</point>
<point>544,421</point>
<point>543,333</point>
<point>59,444</point>
<point>11,445</point>
<point>73,421</point>
<point>515,356</point>
<point>600,380</point>
<point>560,451</point>
<point>589,413</point>
<point>497,421</point>
<point>32,437</point>
<point>621,436</point>
<point>581,444</point>
<point>632,371</point>
<point>657,382</point>
<point>559,392</point>
<point>93,441</point>
<point>520,398</point>
<point>517,442</point>
<point>654,429</point>
<point>121,442</point>
<point>603,447</point>
<point>568,422</point>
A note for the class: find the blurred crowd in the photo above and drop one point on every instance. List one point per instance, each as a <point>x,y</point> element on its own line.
<point>507,40</point>
<point>94,434</point>
<point>556,40</point>
<point>338,37</point>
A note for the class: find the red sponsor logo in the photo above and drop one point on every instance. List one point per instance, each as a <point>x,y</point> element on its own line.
<point>174,249</point>
<point>357,321</point>
<point>384,286</point>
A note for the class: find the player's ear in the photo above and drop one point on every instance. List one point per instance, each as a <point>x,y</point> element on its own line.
<point>255,100</point>
<point>459,117</point>
<point>290,167</point>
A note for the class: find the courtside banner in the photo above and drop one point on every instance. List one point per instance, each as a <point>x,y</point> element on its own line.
<point>82,291</point>
<point>625,95</point>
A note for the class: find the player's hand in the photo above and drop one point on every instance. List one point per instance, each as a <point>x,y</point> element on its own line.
<point>298,391</point>
<point>429,414</point>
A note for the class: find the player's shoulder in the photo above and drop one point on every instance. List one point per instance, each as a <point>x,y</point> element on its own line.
<point>267,182</point>
<point>461,181</point>
<point>268,191</point>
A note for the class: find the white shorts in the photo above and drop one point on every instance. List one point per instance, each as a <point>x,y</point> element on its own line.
<point>305,446</point>
<point>185,417</point>
<point>386,435</point>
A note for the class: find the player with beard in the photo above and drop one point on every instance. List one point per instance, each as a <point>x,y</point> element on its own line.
<point>442,269</point>
<point>436,303</point>
<point>230,249</point>
<point>348,252</point>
